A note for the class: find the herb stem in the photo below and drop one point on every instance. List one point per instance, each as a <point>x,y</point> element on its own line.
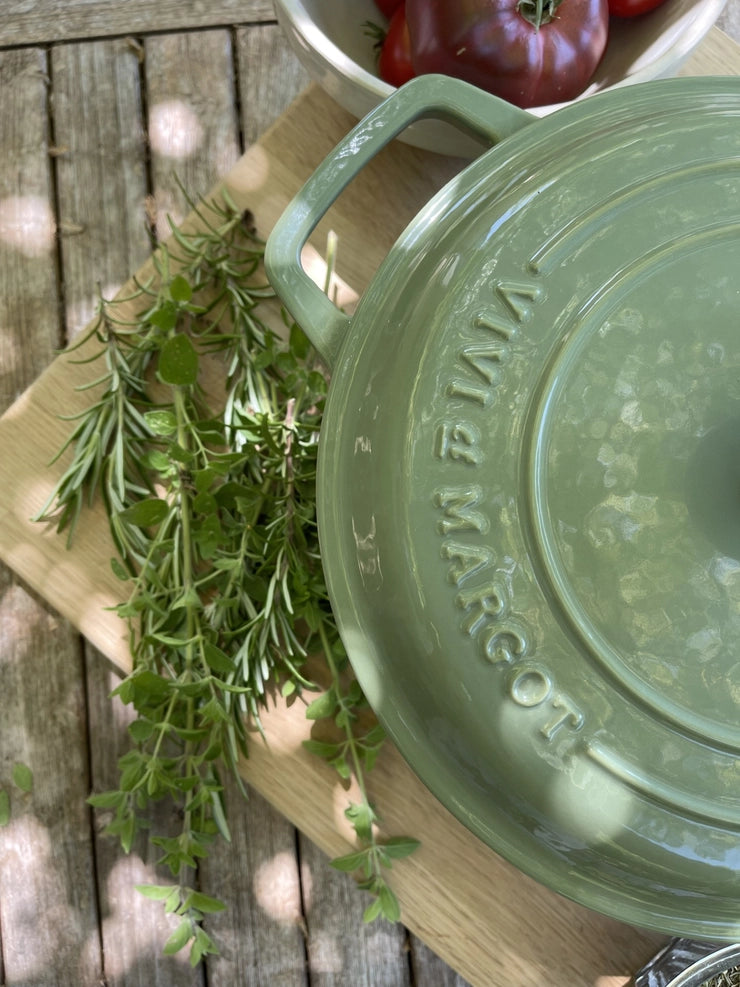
<point>349,734</point>
<point>213,516</point>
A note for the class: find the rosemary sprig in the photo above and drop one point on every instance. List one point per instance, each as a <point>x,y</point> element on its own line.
<point>212,513</point>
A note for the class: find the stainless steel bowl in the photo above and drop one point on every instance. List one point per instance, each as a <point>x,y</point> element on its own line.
<point>688,963</point>
<point>329,40</point>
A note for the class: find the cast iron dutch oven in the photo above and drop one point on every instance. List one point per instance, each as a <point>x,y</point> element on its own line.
<point>529,486</point>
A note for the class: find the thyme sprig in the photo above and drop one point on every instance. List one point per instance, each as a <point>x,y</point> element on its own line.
<point>213,517</point>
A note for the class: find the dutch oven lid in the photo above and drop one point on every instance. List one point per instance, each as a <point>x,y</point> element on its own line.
<point>530,498</point>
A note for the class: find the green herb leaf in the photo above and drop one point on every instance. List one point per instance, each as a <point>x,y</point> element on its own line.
<point>362,817</point>
<point>145,513</point>
<point>164,317</point>
<point>389,906</point>
<point>322,707</point>
<point>22,777</point>
<point>322,748</point>
<point>300,344</point>
<point>373,911</point>
<point>218,660</point>
<point>161,422</point>
<point>180,289</point>
<point>4,807</point>
<point>179,938</point>
<point>157,892</point>
<point>106,800</point>
<point>350,862</point>
<point>141,730</point>
<point>203,903</point>
<point>178,362</point>
<point>119,571</point>
<point>172,901</point>
<point>400,846</point>
<point>202,946</point>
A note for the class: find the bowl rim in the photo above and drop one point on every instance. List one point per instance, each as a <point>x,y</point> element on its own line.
<point>301,22</point>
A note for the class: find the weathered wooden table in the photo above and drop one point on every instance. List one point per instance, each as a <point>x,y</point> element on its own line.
<point>103,105</point>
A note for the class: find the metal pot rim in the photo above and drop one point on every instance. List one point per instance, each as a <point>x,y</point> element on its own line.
<point>708,966</point>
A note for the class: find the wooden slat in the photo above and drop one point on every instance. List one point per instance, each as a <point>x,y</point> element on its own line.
<point>729,20</point>
<point>341,948</point>
<point>49,21</point>
<point>48,912</point>
<point>100,155</point>
<point>48,905</point>
<point>132,928</point>
<point>263,56</point>
<point>193,133</point>
<point>427,968</point>
<point>28,322</point>
<point>261,936</point>
<point>191,117</point>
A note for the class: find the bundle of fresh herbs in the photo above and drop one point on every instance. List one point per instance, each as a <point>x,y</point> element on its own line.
<point>213,517</point>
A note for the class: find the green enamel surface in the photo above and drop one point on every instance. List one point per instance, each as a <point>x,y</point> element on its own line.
<point>530,501</point>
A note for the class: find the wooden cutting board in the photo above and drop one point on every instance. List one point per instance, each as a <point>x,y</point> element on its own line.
<point>491,923</point>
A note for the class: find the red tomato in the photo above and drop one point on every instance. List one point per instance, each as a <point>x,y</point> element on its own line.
<point>498,45</point>
<point>388,7</point>
<point>632,8</point>
<point>394,63</point>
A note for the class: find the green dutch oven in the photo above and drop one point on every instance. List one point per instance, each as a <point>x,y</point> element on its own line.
<point>529,485</point>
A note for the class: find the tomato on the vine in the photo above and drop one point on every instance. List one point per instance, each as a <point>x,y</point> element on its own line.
<point>394,62</point>
<point>529,52</point>
<point>632,8</point>
<point>388,7</point>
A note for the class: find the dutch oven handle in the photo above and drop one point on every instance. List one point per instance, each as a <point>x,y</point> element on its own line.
<point>435,96</point>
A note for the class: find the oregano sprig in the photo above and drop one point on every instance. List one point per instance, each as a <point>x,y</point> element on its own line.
<point>212,512</point>
<point>352,754</point>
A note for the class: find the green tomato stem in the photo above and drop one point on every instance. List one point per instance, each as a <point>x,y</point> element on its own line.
<point>538,12</point>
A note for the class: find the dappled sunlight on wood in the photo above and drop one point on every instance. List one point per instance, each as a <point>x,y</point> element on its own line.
<point>277,888</point>
<point>166,211</point>
<point>153,926</point>
<point>27,224</point>
<point>174,129</point>
<point>326,955</point>
<point>26,852</point>
<point>14,618</point>
<point>25,848</point>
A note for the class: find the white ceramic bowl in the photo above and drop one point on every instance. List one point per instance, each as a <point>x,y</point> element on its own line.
<point>328,38</point>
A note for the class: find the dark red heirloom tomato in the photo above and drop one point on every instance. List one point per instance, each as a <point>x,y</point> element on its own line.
<point>529,52</point>
<point>394,62</point>
<point>632,8</point>
<point>388,7</point>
